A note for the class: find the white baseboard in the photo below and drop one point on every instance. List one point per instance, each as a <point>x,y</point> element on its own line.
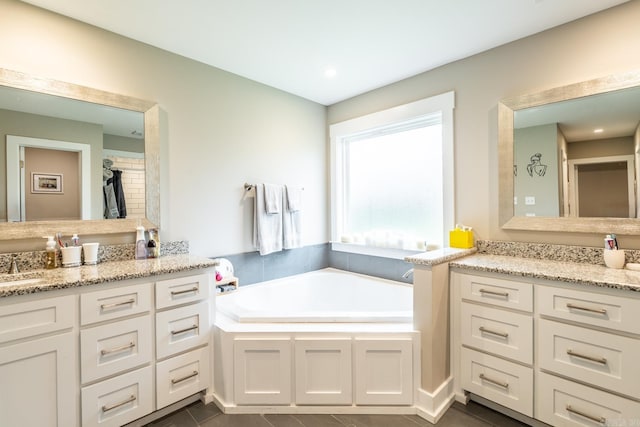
<point>432,406</point>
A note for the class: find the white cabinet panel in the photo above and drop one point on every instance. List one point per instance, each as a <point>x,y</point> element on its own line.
<point>383,372</point>
<point>599,358</point>
<point>181,376</point>
<point>182,328</point>
<point>497,331</point>
<point>115,303</point>
<point>38,383</point>
<point>114,347</point>
<point>507,383</point>
<point>262,371</point>
<point>323,371</point>
<point>119,400</point>
<point>494,291</point>
<point>564,403</point>
<point>183,290</point>
<point>606,311</point>
<point>24,320</point>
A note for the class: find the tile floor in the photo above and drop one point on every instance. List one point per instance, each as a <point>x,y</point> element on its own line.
<point>199,415</point>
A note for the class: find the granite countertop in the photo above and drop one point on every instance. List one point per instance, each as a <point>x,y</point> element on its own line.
<point>61,278</point>
<point>570,272</point>
<point>439,256</point>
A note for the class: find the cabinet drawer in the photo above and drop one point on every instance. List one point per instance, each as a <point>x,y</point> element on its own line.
<point>114,303</point>
<point>118,400</point>
<point>607,311</point>
<point>506,383</point>
<point>181,329</point>
<point>182,376</point>
<point>114,347</point>
<point>183,290</point>
<point>564,403</point>
<point>598,358</point>
<point>498,292</point>
<point>28,319</point>
<point>501,332</point>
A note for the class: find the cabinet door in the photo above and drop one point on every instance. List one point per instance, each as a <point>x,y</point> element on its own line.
<point>38,383</point>
<point>383,372</point>
<point>181,376</point>
<point>262,371</point>
<point>114,347</point>
<point>323,371</point>
<point>181,329</point>
<point>183,290</point>
<point>114,303</point>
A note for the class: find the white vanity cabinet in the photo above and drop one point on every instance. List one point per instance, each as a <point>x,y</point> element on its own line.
<point>567,356</point>
<point>38,360</point>
<point>496,339</point>
<point>105,355</point>
<point>588,347</point>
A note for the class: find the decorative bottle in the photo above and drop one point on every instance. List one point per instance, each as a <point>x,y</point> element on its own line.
<point>141,243</point>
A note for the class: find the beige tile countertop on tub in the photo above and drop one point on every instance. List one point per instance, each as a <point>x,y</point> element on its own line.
<point>61,278</point>
<point>570,272</point>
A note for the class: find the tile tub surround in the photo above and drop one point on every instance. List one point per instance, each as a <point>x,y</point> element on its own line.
<point>86,275</point>
<point>35,260</point>
<point>251,268</point>
<point>570,272</point>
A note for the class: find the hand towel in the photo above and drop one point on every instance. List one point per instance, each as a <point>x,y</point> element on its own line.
<point>267,228</point>
<point>294,198</point>
<point>272,198</point>
<point>292,218</point>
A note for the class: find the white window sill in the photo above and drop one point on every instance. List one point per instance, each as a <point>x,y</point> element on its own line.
<point>372,250</point>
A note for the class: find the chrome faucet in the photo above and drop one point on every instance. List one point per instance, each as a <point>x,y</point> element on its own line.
<point>407,273</point>
<point>13,268</point>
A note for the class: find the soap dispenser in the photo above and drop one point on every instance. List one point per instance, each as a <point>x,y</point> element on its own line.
<point>141,243</point>
<point>50,252</point>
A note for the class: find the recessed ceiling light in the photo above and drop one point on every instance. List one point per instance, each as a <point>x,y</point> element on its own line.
<point>330,72</point>
<point>599,130</point>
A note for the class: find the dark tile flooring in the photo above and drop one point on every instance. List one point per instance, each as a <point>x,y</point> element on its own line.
<point>199,415</point>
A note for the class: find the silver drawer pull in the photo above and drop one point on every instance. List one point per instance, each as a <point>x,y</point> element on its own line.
<point>601,420</point>
<point>186,291</point>
<point>107,408</point>
<point>118,349</point>
<point>179,380</point>
<point>117,304</point>
<point>600,360</point>
<point>590,310</point>
<point>496,293</point>
<point>495,382</point>
<point>182,331</point>
<point>489,331</point>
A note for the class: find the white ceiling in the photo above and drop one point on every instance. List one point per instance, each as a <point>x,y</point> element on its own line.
<point>288,44</point>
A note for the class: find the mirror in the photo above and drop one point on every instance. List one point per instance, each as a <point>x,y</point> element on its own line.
<point>542,187</point>
<point>125,121</point>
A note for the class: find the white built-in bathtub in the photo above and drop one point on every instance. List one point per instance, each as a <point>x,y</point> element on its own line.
<point>321,296</point>
<point>317,342</point>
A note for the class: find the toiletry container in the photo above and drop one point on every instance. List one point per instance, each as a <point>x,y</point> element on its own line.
<point>141,243</point>
<point>50,254</point>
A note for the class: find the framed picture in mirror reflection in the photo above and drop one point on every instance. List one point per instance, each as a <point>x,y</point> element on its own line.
<point>50,183</point>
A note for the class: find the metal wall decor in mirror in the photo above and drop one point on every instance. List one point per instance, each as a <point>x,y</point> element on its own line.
<point>569,157</point>
<point>45,121</point>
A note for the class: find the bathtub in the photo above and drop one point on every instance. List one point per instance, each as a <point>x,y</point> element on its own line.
<point>327,341</point>
<point>323,296</point>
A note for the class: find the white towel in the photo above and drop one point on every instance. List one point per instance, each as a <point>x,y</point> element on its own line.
<point>267,228</point>
<point>294,198</point>
<point>272,198</point>
<point>292,218</point>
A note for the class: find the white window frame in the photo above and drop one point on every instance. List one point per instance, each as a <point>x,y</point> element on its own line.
<point>444,103</point>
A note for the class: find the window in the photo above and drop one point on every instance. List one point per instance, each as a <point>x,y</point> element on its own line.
<point>392,179</point>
